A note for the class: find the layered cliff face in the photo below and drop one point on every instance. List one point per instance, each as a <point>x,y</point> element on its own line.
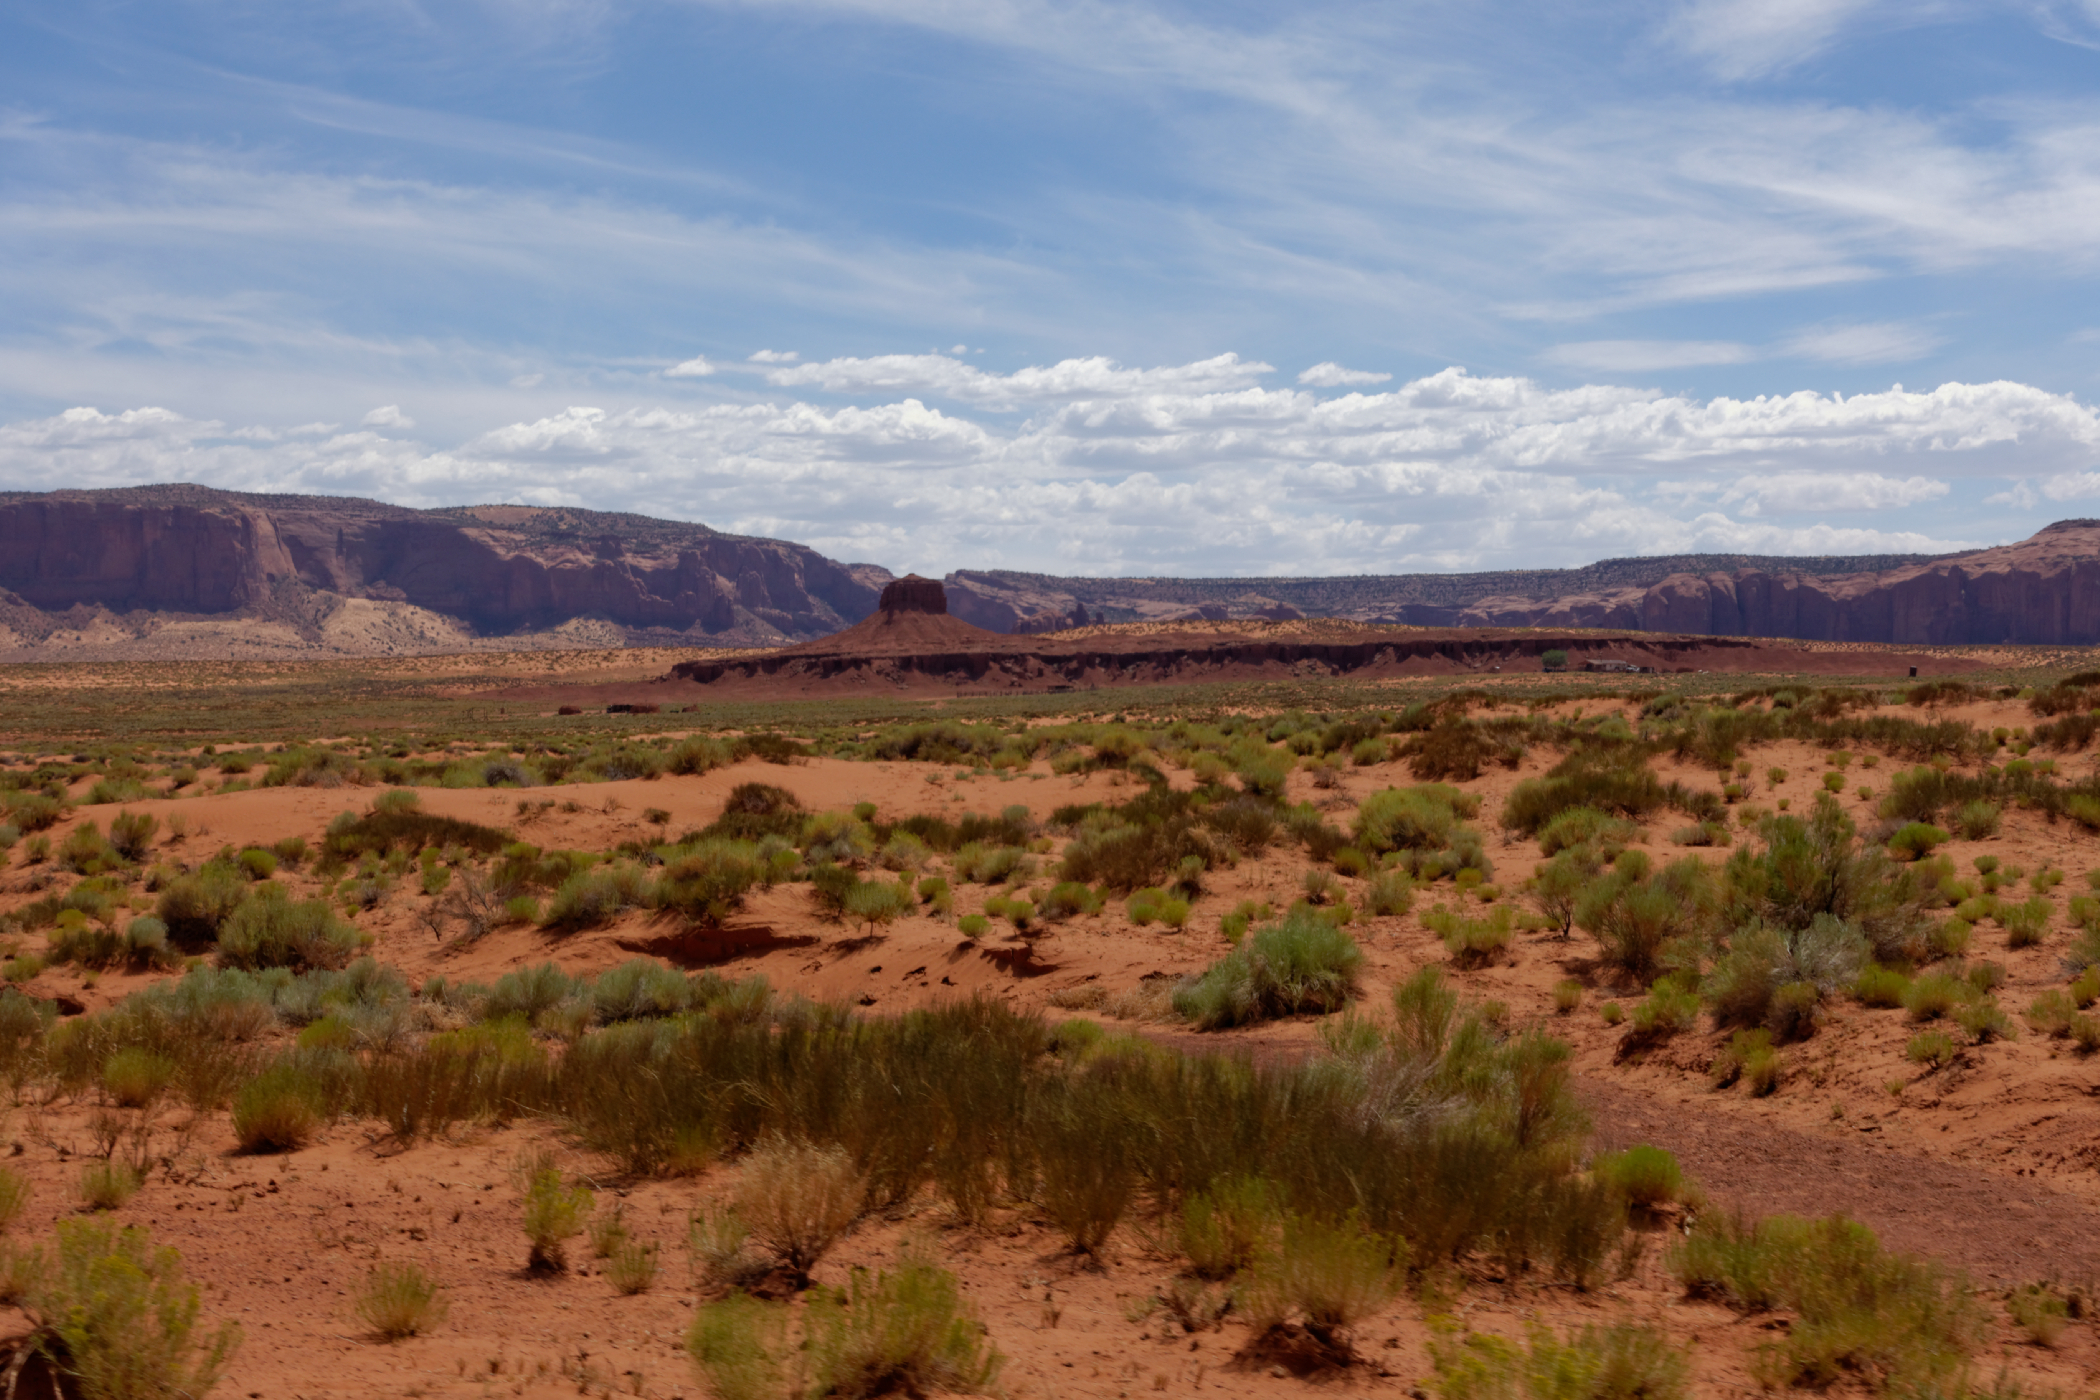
<point>491,570</point>
<point>2044,590</point>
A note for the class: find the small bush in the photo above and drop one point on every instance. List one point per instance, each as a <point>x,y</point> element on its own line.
<point>1472,942</point>
<point>2039,1311</point>
<point>554,1214</point>
<point>278,932</point>
<point>910,1331</point>
<point>973,925</point>
<point>1644,1175</point>
<point>1567,995</point>
<point>1625,1362</point>
<point>401,1300</point>
<point>1934,995</point>
<point>279,1110</point>
<point>1303,964</point>
<point>1895,1322</point>
<point>739,1346</point>
<point>1158,906</point>
<point>1880,986</point>
<point>631,1267</point>
<point>797,1199</point>
<point>1914,840</point>
<point>14,1197</point>
<point>1225,1229</point>
<point>1327,1275</point>
<point>1984,1020</point>
<point>132,833</point>
<point>119,1319</point>
<point>106,1185</point>
<point>135,1077</point>
<point>1976,821</point>
<point>1934,1049</point>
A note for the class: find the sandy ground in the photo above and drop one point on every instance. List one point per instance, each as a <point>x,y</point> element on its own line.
<point>1990,1163</point>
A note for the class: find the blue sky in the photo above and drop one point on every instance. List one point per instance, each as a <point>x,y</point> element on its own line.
<point>1124,288</point>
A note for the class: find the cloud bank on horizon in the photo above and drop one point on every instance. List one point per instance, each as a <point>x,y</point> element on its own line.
<point>1191,469</point>
<point>1134,288</point>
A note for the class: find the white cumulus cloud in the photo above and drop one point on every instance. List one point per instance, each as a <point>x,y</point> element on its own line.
<point>1329,375</point>
<point>695,368</point>
<point>773,357</point>
<point>1183,469</point>
<point>389,416</point>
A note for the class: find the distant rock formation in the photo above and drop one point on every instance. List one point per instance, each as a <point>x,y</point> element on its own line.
<point>914,594</point>
<point>2043,590</point>
<point>68,558</point>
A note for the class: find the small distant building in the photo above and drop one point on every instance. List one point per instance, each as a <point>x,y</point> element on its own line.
<point>1625,667</point>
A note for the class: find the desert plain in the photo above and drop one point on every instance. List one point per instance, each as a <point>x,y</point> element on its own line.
<point>1410,1034</point>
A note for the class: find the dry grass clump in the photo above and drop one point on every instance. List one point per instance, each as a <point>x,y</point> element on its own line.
<point>1320,1279</point>
<point>1623,1362</point>
<point>909,1331</point>
<point>118,1319</point>
<point>1302,964</point>
<point>1894,1321</point>
<point>1646,1176</point>
<point>401,1300</point>
<point>555,1213</point>
<point>797,1199</point>
<point>108,1184</point>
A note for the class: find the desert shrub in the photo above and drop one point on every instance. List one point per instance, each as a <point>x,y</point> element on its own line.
<point>1934,995</point>
<point>1428,817</point>
<point>1585,826</point>
<point>1567,995</point>
<point>1389,892</point>
<point>1880,986</point>
<point>279,932</point>
<point>739,1346</point>
<point>2025,923</point>
<point>116,1316</point>
<point>1669,1009</point>
<point>402,828</point>
<point>85,851</point>
<point>797,1199</point>
<point>631,1267</point>
<point>1634,914</point>
<point>108,1184</point>
<point>1470,941</point>
<point>637,990</point>
<point>1068,899</point>
<point>132,833</point>
<point>592,897</point>
<point>1984,1020</point>
<point>1224,1230</point>
<point>1861,1311</point>
<point>1082,1142</point>
<point>135,1077</point>
<point>1302,964</point>
<point>257,863</point>
<point>2039,1311</point>
<point>401,1300</point>
<point>1608,784</point>
<point>1458,748</point>
<point>31,812</point>
<point>1934,1049</point>
<point>1326,1275</point>
<point>281,1108</point>
<point>2050,1014</point>
<point>194,906</point>
<point>1748,1052</point>
<point>555,1213</point>
<point>1916,839</point>
<point>908,1331</point>
<point>1158,906</point>
<point>1644,1175</point>
<point>1775,978</point>
<point>1623,1362</point>
<point>1976,820</point>
<point>1818,867</point>
<point>872,902</point>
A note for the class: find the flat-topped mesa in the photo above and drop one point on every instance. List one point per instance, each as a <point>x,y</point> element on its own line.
<point>912,594</point>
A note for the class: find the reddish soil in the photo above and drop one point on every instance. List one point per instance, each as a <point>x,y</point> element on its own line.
<point>1990,1163</point>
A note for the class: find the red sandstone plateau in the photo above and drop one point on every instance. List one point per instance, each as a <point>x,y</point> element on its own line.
<point>912,643</point>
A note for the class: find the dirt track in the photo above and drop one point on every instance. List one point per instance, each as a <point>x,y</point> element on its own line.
<point>2002,1229</point>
